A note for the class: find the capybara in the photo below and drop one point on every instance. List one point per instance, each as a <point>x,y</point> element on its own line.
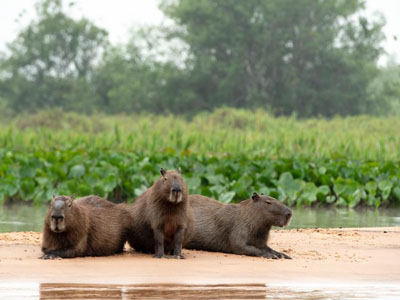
<point>241,228</point>
<point>88,226</point>
<point>162,218</point>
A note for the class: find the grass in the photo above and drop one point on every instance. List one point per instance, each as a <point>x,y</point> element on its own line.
<point>224,132</point>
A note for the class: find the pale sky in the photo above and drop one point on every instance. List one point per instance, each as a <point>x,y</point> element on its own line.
<point>119,16</point>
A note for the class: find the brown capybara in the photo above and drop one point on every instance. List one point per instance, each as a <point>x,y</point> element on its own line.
<point>162,219</point>
<point>88,226</point>
<point>241,228</point>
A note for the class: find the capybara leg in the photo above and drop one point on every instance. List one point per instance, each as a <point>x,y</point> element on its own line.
<point>159,243</point>
<point>178,240</point>
<point>52,254</point>
<point>250,250</point>
<point>278,254</point>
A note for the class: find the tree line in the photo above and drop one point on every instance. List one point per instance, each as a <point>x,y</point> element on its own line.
<point>311,58</point>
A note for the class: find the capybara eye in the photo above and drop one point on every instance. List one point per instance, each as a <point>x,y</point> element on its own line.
<point>268,202</point>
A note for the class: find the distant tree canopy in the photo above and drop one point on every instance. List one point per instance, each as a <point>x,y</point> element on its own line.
<point>309,57</point>
<point>51,61</point>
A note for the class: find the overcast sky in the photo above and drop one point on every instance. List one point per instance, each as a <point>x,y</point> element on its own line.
<point>118,16</point>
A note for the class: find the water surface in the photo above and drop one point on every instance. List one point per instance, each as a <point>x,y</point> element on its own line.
<point>314,291</point>
<point>30,218</point>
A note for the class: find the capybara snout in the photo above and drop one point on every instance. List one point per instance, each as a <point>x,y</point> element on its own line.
<point>59,209</point>
<point>176,192</point>
<point>277,213</point>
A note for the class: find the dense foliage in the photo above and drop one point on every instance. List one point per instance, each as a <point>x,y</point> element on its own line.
<point>288,56</point>
<point>227,155</point>
<point>312,57</point>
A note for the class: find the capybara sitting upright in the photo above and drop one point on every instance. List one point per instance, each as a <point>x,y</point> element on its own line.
<point>241,228</point>
<point>162,219</point>
<point>88,226</point>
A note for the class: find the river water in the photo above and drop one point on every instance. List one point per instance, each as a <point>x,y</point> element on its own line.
<point>30,218</point>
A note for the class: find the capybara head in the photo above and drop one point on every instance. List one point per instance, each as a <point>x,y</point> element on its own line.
<point>172,185</point>
<point>60,208</point>
<point>275,212</point>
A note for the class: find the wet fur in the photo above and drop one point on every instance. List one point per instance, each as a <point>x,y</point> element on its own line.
<point>153,213</point>
<point>94,227</point>
<point>241,228</point>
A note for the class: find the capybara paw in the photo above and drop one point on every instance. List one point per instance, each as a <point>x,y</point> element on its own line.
<point>50,256</point>
<point>179,256</point>
<point>159,256</point>
<point>281,255</point>
<point>277,254</point>
<point>270,255</point>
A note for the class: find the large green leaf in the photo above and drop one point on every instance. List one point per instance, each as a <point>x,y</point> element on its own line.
<point>77,171</point>
<point>371,187</point>
<point>226,197</point>
<point>309,193</point>
<point>385,186</point>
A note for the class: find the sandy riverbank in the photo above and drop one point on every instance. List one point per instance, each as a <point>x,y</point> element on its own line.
<point>328,255</point>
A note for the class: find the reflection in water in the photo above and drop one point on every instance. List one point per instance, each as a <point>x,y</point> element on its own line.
<point>162,291</point>
<point>385,291</point>
<point>290,290</point>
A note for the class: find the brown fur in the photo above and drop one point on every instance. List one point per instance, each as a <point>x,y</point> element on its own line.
<point>159,225</point>
<point>93,227</point>
<point>241,228</point>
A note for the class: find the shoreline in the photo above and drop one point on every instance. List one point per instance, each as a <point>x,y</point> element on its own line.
<point>324,256</point>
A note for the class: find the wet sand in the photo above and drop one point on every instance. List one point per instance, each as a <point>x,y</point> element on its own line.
<point>319,255</point>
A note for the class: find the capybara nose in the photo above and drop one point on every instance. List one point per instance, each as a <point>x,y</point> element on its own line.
<point>289,214</point>
<point>176,189</point>
<point>57,218</point>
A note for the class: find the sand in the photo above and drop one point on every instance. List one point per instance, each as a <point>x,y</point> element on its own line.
<point>319,255</point>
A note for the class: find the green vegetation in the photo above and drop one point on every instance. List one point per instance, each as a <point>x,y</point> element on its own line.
<point>297,58</point>
<point>227,154</point>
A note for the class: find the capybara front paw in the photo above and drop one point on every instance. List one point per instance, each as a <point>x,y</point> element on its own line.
<point>159,256</point>
<point>270,255</point>
<point>50,256</point>
<point>281,255</point>
<point>180,256</point>
<point>285,256</point>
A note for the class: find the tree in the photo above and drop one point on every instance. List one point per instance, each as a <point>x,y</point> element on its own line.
<point>52,61</point>
<point>384,90</point>
<point>305,56</point>
<point>142,76</point>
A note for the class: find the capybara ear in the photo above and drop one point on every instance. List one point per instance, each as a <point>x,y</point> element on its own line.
<point>162,171</point>
<point>73,197</point>
<point>70,200</point>
<point>262,193</point>
<point>53,198</point>
<point>255,196</point>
